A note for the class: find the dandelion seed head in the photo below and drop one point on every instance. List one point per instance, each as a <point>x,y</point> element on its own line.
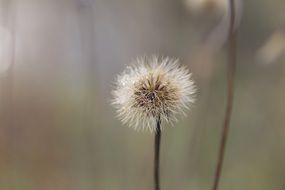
<point>153,88</point>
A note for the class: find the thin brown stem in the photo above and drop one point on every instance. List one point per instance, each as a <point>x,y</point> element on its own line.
<point>230,96</point>
<point>156,154</point>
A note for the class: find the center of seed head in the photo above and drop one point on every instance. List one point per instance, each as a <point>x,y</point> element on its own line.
<point>149,92</point>
<point>151,96</point>
<point>155,95</point>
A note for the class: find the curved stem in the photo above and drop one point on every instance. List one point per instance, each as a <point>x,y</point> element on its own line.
<point>230,96</point>
<point>156,154</point>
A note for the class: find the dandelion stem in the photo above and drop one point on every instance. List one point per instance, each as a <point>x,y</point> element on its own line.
<point>230,96</point>
<point>156,154</point>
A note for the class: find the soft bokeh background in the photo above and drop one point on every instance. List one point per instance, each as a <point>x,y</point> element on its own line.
<point>58,62</point>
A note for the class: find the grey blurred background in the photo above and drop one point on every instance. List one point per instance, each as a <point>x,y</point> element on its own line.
<point>58,62</point>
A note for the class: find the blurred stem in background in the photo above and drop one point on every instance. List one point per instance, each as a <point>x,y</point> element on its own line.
<point>230,96</point>
<point>8,114</point>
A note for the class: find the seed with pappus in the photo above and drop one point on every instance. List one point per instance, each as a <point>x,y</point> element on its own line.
<point>153,88</point>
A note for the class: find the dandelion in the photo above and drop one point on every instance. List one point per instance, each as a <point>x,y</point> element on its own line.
<point>150,91</point>
<point>153,88</point>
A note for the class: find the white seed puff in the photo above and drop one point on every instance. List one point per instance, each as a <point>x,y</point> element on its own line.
<point>152,88</point>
